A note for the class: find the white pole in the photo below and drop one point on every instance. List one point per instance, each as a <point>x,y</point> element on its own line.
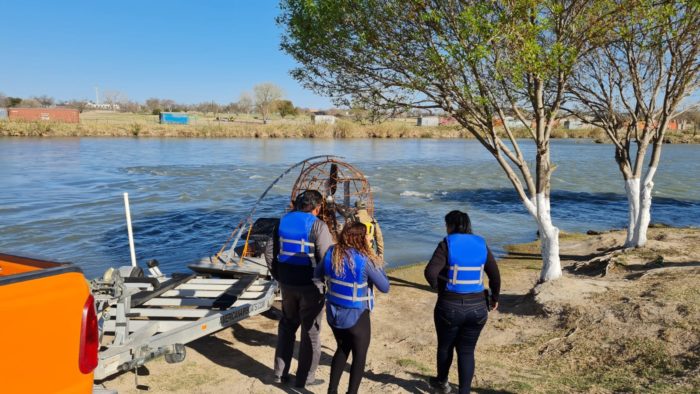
<point>128,226</point>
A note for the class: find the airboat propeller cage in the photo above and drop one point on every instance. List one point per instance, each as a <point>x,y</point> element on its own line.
<point>340,184</point>
<point>343,183</point>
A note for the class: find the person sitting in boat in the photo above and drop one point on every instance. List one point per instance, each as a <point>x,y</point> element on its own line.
<point>299,242</point>
<point>373,230</point>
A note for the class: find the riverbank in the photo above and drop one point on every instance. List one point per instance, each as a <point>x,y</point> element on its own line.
<point>618,321</point>
<point>341,130</point>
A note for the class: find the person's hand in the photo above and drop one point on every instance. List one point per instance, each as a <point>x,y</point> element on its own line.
<point>495,306</point>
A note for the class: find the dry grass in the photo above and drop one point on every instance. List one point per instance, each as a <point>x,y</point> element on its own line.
<point>109,124</point>
<point>642,334</point>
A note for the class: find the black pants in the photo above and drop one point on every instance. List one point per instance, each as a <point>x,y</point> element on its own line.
<point>353,340</point>
<point>458,324</point>
<point>301,306</point>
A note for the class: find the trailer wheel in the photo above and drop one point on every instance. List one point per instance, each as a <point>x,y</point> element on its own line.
<point>177,354</point>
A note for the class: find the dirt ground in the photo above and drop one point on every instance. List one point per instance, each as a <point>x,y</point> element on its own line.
<point>618,321</point>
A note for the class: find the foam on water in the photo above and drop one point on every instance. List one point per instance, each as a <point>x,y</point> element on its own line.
<point>411,193</point>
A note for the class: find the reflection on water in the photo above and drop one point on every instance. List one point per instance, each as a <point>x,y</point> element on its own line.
<point>61,198</point>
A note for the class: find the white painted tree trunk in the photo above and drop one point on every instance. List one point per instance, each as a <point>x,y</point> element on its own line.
<point>632,191</point>
<point>549,237</point>
<point>644,216</point>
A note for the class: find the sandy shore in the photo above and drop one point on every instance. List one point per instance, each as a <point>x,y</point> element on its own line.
<point>619,321</point>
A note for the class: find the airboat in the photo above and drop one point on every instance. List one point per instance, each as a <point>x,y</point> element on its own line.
<point>341,185</point>
<point>144,315</point>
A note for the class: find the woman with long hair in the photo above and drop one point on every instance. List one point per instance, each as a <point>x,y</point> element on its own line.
<point>456,271</point>
<point>351,270</point>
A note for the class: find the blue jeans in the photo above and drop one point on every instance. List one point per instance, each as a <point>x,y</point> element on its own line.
<point>458,324</point>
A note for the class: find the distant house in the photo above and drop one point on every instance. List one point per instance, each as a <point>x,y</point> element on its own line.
<point>672,125</point>
<point>323,119</point>
<point>448,121</point>
<point>428,121</point>
<point>111,107</point>
<point>574,123</point>
<point>511,122</point>
<point>64,115</point>
<point>3,113</point>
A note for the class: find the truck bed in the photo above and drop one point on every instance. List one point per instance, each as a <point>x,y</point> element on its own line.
<point>42,307</point>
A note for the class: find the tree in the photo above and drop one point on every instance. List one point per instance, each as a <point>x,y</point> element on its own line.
<point>130,106</point>
<point>633,86</point>
<point>474,60</point>
<point>167,105</point>
<point>114,98</point>
<point>208,106</point>
<point>245,103</point>
<point>30,103</point>
<point>266,95</point>
<point>80,105</point>
<point>691,115</point>
<point>3,100</point>
<point>285,107</point>
<point>362,110</point>
<point>13,101</point>
<point>44,100</point>
<point>153,105</point>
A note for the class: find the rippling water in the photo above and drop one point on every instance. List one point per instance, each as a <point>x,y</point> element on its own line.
<point>62,198</point>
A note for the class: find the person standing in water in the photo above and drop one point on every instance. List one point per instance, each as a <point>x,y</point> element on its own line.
<point>351,270</point>
<point>456,271</point>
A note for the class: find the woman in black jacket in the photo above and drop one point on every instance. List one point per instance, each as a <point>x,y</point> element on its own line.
<point>456,271</point>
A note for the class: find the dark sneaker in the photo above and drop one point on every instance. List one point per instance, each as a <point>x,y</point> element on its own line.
<point>281,379</point>
<point>442,387</point>
<point>315,382</point>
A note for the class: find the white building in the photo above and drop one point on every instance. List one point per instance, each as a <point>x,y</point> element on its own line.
<point>323,119</point>
<point>428,121</point>
<point>112,107</point>
<point>573,123</point>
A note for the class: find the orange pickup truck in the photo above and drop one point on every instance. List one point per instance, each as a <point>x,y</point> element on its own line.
<point>48,327</point>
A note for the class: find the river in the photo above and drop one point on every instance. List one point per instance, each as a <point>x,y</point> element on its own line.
<point>62,198</point>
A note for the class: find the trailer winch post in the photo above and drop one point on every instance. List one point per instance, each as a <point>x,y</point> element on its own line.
<point>128,227</point>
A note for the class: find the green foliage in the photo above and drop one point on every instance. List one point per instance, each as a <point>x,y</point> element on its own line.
<point>467,58</point>
<point>135,129</point>
<point>285,107</point>
<point>13,101</point>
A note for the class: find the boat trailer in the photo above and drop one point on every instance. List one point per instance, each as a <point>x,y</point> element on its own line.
<point>144,317</point>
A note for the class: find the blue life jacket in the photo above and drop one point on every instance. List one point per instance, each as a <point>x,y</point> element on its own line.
<point>349,290</point>
<point>294,234</point>
<point>466,256</point>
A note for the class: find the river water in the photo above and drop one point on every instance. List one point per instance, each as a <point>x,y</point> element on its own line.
<point>62,198</point>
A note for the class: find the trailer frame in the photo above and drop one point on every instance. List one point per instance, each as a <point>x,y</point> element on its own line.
<point>143,318</point>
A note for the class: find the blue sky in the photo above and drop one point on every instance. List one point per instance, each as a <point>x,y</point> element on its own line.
<point>188,51</point>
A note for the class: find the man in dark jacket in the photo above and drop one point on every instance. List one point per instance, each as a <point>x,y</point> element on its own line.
<point>300,242</point>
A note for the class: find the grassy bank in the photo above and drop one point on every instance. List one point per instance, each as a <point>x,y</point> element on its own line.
<point>287,129</point>
<point>290,129</point>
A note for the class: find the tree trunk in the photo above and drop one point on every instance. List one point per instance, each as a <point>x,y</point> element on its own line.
<point>639,199</point>
<point>632,191</point>
<point>644,209</point>
<point>549,239</point>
